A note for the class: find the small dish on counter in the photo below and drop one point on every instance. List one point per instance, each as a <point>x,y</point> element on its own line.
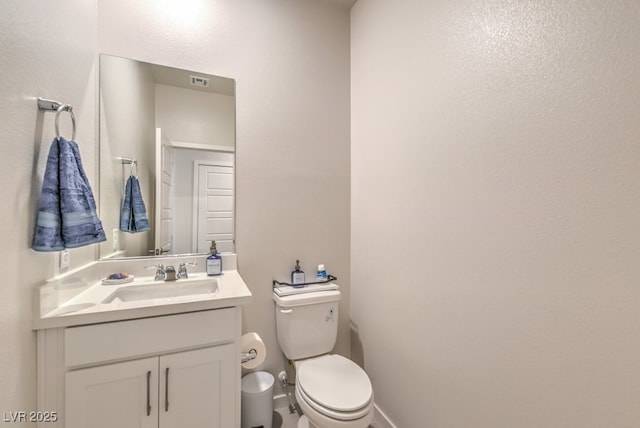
<point>117,279</point>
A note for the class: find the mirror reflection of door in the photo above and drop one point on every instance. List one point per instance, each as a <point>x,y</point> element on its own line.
<point>213,207</point>
<point>163,242</point>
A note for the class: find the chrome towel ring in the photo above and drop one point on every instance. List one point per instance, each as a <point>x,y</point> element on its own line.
<point>66,107</point>
<point>51,105</point>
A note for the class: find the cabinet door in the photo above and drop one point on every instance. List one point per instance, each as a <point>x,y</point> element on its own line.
<point>198,389</point>
<point>123,395</point>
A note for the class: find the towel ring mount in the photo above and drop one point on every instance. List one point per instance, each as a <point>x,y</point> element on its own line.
<point>52,105</point>
<point>133,164</point>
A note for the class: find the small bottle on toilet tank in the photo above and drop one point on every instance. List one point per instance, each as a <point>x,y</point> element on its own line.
<point>321,274</point>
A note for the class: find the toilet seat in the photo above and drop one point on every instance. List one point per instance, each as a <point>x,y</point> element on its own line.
<point>335,387</point>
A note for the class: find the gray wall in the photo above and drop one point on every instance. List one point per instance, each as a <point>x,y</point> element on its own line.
<point>495,207</point>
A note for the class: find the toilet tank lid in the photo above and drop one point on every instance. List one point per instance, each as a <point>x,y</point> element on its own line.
<point>308,288</point>
<point>302,299</point>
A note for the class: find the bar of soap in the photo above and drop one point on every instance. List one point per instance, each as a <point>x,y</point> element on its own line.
<point>118,278</point>
<point>118,275</point>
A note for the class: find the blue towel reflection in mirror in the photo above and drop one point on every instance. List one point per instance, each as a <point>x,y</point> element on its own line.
<point>133,216</point>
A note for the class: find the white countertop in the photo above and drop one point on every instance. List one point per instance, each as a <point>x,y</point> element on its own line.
<point>78,298</point>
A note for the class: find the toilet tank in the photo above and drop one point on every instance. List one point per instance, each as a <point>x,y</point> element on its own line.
<point>307,323</point>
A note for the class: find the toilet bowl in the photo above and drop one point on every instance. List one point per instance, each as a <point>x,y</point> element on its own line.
<point>332,391</point>
<point>349,405</point>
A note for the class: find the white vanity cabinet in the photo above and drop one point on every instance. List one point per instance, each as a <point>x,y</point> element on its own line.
<point>113,395</point>
<point>177,390</point>
<point>168,371</point>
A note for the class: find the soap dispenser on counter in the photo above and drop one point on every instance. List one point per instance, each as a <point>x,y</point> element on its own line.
<point>214,261</point>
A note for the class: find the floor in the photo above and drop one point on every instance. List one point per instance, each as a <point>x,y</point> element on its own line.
<point>283,419</point>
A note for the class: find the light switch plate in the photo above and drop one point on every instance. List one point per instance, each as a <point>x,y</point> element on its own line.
<point>116,239</point>
<point>65,259</point>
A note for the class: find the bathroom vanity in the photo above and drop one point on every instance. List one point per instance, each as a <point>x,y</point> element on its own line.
<point>141,354</point>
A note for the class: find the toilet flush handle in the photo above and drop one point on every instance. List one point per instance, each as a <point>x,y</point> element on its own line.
<point>286,311</point>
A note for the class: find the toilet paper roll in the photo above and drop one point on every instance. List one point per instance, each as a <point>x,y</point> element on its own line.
<point>252,341</point>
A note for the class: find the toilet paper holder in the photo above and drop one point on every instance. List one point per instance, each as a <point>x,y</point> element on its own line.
<point>248,356</point>
<point>252,351</point>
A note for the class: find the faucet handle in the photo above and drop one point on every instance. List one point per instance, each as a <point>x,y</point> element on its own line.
<point>160,272</point>
<point>182,269</point>
<point>159,266</point>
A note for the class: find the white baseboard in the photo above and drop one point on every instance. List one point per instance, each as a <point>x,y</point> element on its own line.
<point>381,419</point>
<point>281,401</point>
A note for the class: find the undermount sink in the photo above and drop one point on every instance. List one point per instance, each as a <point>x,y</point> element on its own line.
<point>164,290</point>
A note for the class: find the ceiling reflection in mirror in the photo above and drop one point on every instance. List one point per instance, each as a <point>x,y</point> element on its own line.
<point>167,155</point>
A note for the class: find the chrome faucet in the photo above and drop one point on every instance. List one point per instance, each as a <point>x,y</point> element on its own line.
<point>160,272</point>
<point>182,270</point>
<point>170,273</point>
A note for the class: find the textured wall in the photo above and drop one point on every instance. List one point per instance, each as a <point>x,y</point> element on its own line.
<point>495,207</point>
<point>46,50</point>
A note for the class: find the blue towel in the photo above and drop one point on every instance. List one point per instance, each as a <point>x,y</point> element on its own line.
<point>66,209</point>
<point>133,217</point>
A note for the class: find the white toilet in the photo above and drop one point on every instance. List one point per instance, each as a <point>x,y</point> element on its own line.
<point>332,391</point>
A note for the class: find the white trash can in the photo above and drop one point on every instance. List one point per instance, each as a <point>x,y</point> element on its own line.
<point>257,400</point>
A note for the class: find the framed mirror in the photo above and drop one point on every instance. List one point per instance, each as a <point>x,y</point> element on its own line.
<point>173,132</point>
